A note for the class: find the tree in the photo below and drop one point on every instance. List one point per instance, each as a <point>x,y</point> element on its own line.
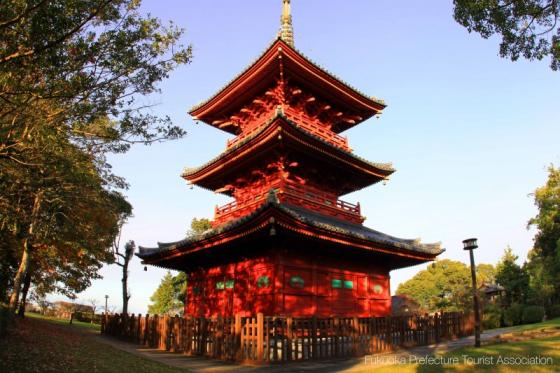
<point>444,286</point>
<point>180,289</point>
<point>512,277</point>
<point>71,73</point>
<point>544,258</point>
<point>199,226</point>
<point>485,274</point>
<point>122,259</point>
<point>528,28</point>
<point>164,299</point>
<point>72,223</point>
<point>93,303</point>
<point>541,279</point>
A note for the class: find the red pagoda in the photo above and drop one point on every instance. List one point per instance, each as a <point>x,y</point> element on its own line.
<point>287,245</point>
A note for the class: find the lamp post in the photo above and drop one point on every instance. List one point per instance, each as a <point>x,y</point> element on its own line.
<point>106,297</point>
<point>471,244</point>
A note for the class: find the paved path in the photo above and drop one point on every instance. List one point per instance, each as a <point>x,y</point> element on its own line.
<point>351,365</point>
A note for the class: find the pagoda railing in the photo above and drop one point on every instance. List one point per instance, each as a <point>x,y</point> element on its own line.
<point>313,126</point>
<point>316,128</point>
<point>243,135</point>
<point>295,194</point>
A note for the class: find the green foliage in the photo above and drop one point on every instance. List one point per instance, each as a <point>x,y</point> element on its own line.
<point>544,260</point>
<point>445,285</point>
<point>71,76</point>
<point>491,317</point>
<point>199,226</point>
<point>554,311</point>
<point>180,289</point>
<point>485,274</point>
<point>528,28</point>
<point>513,315</point>
<point>164,299</point>
<point>533,314</point>
<point>512,277</point>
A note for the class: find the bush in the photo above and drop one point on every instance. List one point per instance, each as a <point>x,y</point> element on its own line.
<point>533,314</point>
<point>554,311</point>
<point>491,317</point>
<point>513,315</point>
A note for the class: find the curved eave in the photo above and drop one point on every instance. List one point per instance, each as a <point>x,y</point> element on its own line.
<point>266,67</point>
<point>288,218</point>
<point>268,134</point>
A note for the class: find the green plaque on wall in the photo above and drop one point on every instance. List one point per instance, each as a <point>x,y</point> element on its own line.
<point>263,282</point>
<point>297,282</point>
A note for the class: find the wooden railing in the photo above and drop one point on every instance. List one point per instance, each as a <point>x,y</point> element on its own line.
<point>316,128</point>
<point>282,339</point>
<point>311,125</point>
<point>243,135</point>
<point>292,192</point>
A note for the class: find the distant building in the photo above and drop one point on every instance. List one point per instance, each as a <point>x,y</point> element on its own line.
<point>493,293</point>
<point>404,305</point>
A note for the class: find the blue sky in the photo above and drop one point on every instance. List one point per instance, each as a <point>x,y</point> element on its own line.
<point>470,133</point>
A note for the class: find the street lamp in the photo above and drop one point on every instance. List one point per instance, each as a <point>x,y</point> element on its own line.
<point>471,244</point>
<point>106,297</point>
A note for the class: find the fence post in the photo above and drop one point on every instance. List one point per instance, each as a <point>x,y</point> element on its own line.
<point>138,326</point>
<point>146,339</point>
<point>154,342</point>
<point>437,326</point>
<point>289,334</point>
<point>337,336</point>
<point>355,336</point>
<point>314,353</point>
<point>103,323</point>
<point>237,341</point>
<point>260,336</point>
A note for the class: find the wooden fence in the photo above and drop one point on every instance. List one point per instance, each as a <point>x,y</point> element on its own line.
<point>281,339</point>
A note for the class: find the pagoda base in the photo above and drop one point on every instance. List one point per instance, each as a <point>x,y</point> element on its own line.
<point>291,282</point>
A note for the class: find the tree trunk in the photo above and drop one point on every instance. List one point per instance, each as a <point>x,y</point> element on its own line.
<point>23,302</point>
<point>26,255</point>
<point>126,296</point>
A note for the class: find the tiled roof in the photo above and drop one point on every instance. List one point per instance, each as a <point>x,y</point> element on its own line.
<point>307,217</point>
<point>324,70</point>
<point>278,114</point>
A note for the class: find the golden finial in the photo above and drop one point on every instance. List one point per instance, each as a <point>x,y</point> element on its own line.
<point>286,29</point>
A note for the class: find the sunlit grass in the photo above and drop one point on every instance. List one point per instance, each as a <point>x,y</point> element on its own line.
<point>549,324</point>
<point>486,358</point>
<point>66,322</point>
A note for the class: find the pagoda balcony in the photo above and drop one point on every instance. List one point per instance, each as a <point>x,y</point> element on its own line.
<point>311,125</point>
<point>295,194</point>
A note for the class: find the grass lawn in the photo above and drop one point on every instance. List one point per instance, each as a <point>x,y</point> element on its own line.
<point>51,345</point>
<point>486,358</point>
<point>64,322</point>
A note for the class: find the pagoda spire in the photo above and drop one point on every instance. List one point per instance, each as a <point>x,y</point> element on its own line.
<point>286,30</point>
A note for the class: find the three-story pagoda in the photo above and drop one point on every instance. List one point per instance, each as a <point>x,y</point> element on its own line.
<point>287,244</point>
